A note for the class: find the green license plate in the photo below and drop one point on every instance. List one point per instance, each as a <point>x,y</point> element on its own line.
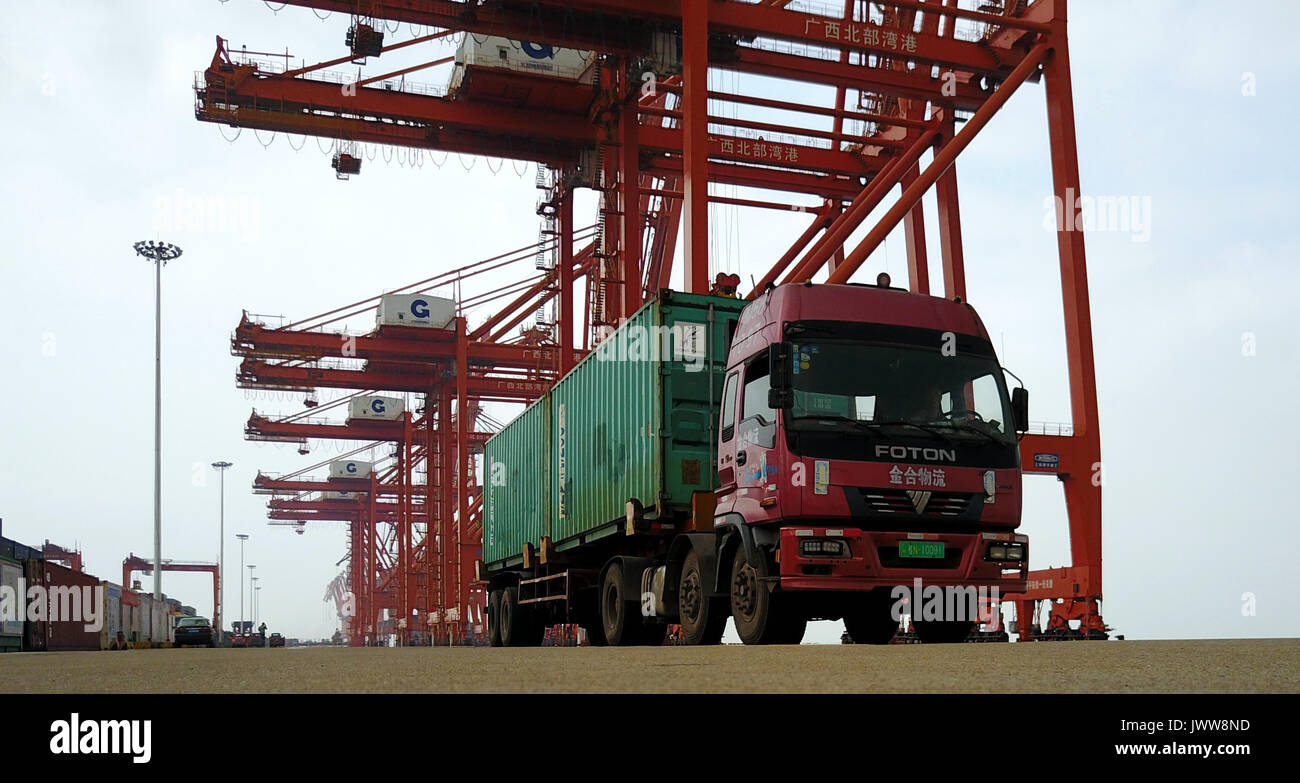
<point>931,549</point>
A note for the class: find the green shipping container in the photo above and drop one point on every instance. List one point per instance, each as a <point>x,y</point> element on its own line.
<point>634,419</point>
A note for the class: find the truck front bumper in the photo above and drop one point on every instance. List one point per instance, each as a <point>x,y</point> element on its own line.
<point>874,560</point>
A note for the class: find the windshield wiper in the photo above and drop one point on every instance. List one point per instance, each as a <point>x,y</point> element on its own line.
<point>972,428</point>
<point>906,423</point>
<point>870,425</point>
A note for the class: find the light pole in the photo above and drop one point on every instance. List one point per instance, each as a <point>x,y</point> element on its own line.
<point>255,589</point>
<point>257,601</point>
<point>159,253</point>
<point>221,549</point>
<point>251,580</point>
<point>242,538</point>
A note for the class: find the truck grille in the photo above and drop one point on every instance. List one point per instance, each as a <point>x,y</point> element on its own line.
<point>937,504</point>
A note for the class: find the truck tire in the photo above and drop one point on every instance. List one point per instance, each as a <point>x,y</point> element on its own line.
<point>703,619</point>
<point>761,617</point>
<point>518,627</point>
<point>620,618</point>
<point>869,621</point>
<point>942,631</point>
<point>494,618</point>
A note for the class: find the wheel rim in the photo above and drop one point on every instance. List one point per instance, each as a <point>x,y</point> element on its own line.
<point>743,591</point>
<point>611,604</point>
<point>690,597</point>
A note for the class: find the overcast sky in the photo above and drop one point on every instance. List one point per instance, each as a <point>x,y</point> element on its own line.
<point>1182,106</point>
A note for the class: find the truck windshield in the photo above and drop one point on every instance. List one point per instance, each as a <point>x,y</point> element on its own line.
<point>920,388</point>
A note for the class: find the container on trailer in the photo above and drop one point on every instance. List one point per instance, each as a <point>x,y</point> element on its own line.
<point>11,624</point>
<point>35,631</point>
<point>376,407</point>
<point>632,421</point>
<point>349,468</point>
<point>415,310</point>
<point>189,611</point>
<point>74,601</point>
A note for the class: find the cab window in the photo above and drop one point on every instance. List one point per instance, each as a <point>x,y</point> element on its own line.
<point>729,407</point>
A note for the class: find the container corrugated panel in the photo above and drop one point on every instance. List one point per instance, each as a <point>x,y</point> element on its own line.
<point>11,631</point>
<point>34,631</point>
<point>162,622</point>
<point>73,598</point>
<point>611,412</point>
<point>632,420</point>
<point>111,632</point>
<point>144,618</point>
<point>130,610</point>
<point>518,499</point>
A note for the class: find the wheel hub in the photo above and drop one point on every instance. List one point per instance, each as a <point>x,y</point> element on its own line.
<point>690,597</point>
<point>743,591</point>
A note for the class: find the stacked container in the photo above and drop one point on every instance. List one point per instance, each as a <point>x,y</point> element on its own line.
<point>71,597</point>
<point>111,636</point>
<point>11,577</point>
<point>130,616</point>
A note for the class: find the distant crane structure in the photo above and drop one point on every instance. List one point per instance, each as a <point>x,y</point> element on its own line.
<point>57,553</point>
<point>132,564</point>
<point>915,81</point>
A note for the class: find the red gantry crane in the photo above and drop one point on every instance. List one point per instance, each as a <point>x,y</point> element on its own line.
<point>132,564</point>
<point>57,553</point>
<point>913,83</point>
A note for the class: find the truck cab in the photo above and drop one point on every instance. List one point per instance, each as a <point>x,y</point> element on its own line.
<point>866,439</point>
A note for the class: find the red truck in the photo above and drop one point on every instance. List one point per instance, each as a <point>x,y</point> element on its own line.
<point>864,438</point>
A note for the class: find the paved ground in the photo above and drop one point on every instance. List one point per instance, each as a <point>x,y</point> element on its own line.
<point>1263,665</point>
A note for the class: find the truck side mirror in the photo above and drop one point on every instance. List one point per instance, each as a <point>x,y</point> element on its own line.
<point>1020,408</point>
<point>780,395</point>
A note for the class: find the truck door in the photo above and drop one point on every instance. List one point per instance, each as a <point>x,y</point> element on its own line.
<point>756,463</point>
<point>727,436</point>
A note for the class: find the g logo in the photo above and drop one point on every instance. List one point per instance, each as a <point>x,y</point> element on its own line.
<point>537,51</point>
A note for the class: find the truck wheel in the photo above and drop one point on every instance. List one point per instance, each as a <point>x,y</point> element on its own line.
<point>518,629</point>
<point>942,632</point>
<point>870,621</point>
<point>703,619</point>
<point>760,616</point>
<point>619,618</point>
<point>494,618</point>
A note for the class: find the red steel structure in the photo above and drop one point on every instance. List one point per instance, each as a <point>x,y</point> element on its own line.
<point>70,556</point>
<point>910,78</point>
<point>132,564</point>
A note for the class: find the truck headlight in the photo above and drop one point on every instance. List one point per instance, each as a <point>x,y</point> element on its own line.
<point>823,547</point>
<point>1006,552</point>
